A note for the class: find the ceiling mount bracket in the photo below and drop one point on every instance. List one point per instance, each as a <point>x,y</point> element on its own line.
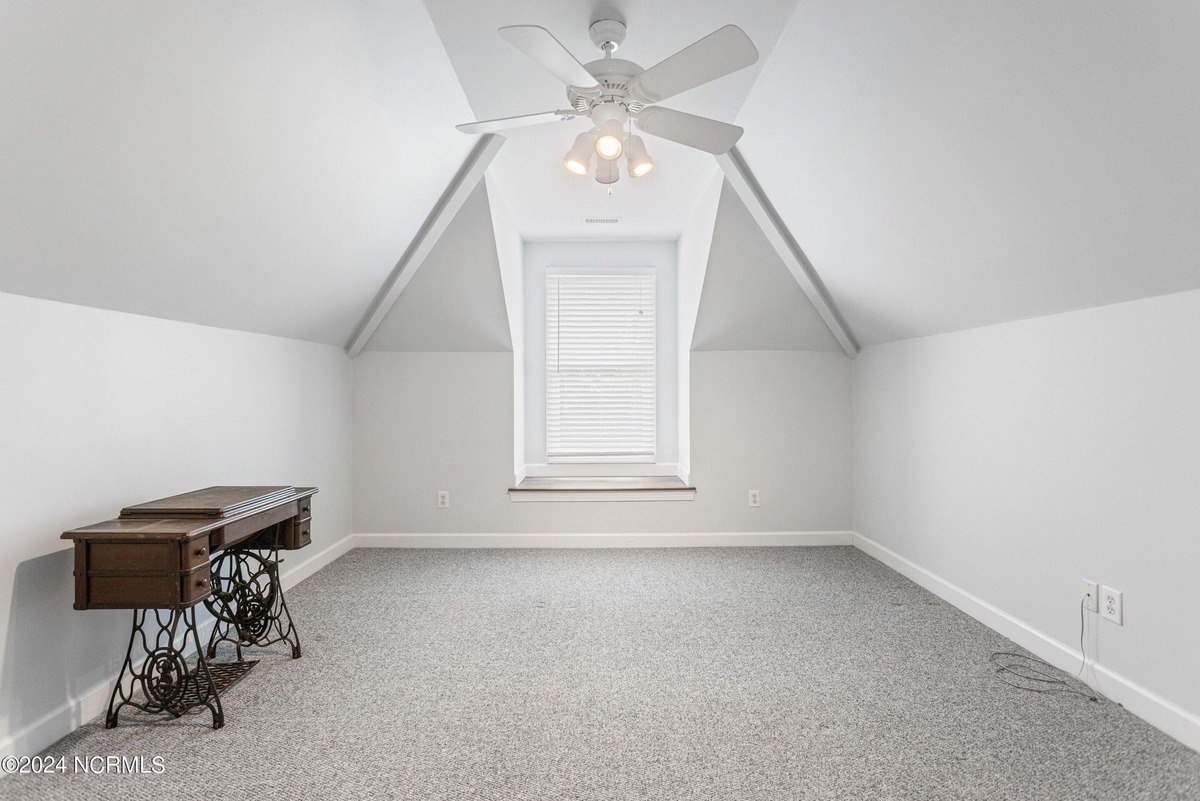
<point>607,34</point>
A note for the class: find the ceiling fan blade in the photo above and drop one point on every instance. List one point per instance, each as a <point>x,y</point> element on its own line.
<point>711,136</point>
<point>540,45</point>
<point>716,55</point>
<point>504,123</point>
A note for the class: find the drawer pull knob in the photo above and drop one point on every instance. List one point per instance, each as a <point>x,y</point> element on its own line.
<point>201,582</point>
<point>201,551</point>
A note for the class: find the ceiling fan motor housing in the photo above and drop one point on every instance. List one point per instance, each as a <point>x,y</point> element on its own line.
<point>613,75</point>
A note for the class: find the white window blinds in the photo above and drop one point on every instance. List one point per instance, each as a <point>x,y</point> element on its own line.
<point>600,383</point>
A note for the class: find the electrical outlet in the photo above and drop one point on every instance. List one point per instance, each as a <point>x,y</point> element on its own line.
<point>1090,594</point>
<point>443,499</point>
<point>1112,605</point>
<point>754,499</point>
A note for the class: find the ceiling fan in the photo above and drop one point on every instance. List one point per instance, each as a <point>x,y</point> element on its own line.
<point>617,94</point>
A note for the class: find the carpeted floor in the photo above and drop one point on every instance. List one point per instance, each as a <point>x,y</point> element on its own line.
<point>716,673</point>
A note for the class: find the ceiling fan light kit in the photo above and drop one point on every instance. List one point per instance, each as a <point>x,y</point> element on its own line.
<point>580,154</point>
<point>617,94</point>
<point>608,144</point>
<point>638,160</point>
<point>607,172</point>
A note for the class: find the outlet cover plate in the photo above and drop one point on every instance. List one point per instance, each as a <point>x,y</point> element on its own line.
<point>755,499</point>
<point>443,499</point>
<point>1090,593</point>
<point>1112,605</point>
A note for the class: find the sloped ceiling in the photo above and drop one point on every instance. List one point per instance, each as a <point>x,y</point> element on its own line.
<point>948,165</point>
<point>257,166</point>
<point>262,166</point>
<point>750,300</point>
<point>455,302</point>
<point>548,202</point>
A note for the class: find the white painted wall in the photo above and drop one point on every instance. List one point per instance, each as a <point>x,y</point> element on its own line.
<point>455,300</point>
<point>510,253</point>
<point>662,256</point>
<point>750,299</point>
<point>694,244</point>
<point>778,422</point>
<point>1015,459</point>
<point>102,409</point>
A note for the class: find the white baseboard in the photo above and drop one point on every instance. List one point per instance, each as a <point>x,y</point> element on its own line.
<point>1146,704</point>
<point>685,540</point>
<point>294,574</point>
<point>94,701</point>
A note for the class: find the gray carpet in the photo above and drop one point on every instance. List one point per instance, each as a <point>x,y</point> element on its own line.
<point>748,673</point>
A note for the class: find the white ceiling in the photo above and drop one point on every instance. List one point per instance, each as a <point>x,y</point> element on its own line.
<point>500,81</point>
<point>947,165</point>
<point>750,300</point>
<point>258,166</point>
<point>455,302</point>
<point>262,166</point>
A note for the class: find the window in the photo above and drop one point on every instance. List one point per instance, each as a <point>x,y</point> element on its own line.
<point>600,364</point>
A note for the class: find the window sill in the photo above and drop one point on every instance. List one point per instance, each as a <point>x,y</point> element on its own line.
<point>605,469</point>
<point>543,489</point>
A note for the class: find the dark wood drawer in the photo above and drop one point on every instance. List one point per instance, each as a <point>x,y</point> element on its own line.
<point>194,553</point>
<point>305,508</point>
<point>299,535</point>
<point>133,557</point>
<point>132,592</point>
<point>194,585</point>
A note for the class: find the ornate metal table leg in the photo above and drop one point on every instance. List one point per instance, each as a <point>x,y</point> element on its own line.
<point>206,686</point>
<point>164,678</point>
<point>110,719</point>
<point>289,634</point>
<point>247,601</point>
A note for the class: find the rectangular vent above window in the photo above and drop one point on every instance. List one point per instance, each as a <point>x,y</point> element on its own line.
<point>602,220</point>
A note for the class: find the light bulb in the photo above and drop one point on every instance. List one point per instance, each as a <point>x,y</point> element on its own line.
<point>580,155</point>
<point>639,160</point>
<point>608,147</point>
<point>608,143</point>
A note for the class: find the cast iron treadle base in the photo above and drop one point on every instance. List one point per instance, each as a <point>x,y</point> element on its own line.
<point>247,602</point>
<point>162,678</point>
<point>224,675</point>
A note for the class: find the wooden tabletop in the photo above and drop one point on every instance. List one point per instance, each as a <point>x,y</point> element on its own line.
<point>170,524</point>
<point>210,502</point>
<point>133,528</point>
